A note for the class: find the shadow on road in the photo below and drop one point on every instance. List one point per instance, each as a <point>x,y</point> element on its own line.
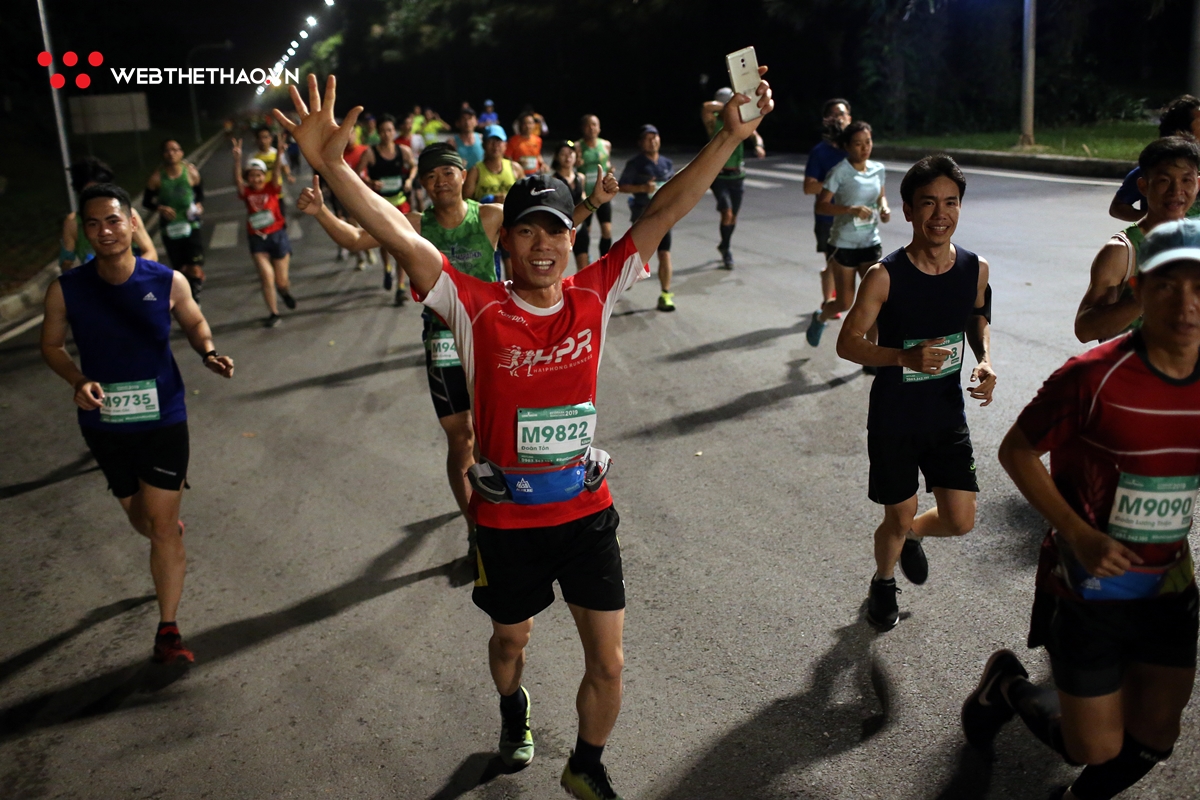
<point>476,770</point>
<point>793,733</point>
<point>749,339</point>
<point>797,385</point>
<point>14,664</point>
<point>132,684</point>
<point>339,378</point>
<point>64,473</point>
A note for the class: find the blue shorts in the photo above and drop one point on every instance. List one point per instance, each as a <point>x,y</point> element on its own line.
<point>276,245</point>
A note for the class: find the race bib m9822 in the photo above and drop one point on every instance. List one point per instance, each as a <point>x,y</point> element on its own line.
<point>554,435</point>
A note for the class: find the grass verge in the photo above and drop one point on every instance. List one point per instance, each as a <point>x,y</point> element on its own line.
<point>1118,140</point>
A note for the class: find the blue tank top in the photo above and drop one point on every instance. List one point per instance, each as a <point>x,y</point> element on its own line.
<point>124,337</point>
<point>921,306</point>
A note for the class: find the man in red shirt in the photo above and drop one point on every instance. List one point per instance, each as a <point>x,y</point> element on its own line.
<point>531,348</point>
<point>1116,602</point>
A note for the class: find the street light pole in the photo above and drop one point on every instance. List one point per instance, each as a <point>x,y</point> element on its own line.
<point>58,114</point>
<point>225,45</point>
<point>1029,57</point>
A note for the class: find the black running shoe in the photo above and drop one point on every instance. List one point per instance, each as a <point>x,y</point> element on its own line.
<point>401,297</point>
<point>913,563</point>
<point>986,710</point>
<point>272,321</point>
<point>883,612</point>
<point>387,278</point>
<point>288,300</point>
<point>726,257</point>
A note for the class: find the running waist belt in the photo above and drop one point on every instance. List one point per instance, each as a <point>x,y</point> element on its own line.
<point>527,487</point>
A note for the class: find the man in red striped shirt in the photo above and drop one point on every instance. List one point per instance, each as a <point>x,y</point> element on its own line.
<point>1116,602</point>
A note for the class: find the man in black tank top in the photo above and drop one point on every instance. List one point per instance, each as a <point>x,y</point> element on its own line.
<point>929,299</point>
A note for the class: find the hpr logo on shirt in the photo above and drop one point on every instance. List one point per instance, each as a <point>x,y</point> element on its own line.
<point>513,358</point>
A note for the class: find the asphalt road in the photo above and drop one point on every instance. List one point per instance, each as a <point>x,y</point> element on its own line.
<point>336,657</point>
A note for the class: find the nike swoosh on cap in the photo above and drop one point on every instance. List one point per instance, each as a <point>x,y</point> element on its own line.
<point>537,192</point>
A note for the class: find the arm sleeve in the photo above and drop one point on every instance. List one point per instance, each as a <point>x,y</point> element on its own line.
<point>150,199</point>
<point>1055,413</point>
<point>198,191</point>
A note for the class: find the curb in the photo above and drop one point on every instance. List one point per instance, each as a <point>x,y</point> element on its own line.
<point>1028,162</point>
<point>25,301</point>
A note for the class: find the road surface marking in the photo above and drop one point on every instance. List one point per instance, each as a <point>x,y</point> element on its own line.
<point>753,184</point>
<point>225,234</point>
<point>24,326</point>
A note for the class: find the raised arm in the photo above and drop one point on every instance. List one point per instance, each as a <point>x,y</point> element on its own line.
<point>679,195</point>
<point>236,152</point>
<point>312,202</point>
<point>323,142</point>
<point>1105,310</point>
<point>606,189</point>
<point>279,168</point>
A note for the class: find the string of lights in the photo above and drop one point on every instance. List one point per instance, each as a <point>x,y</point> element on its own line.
<point>293,48</point>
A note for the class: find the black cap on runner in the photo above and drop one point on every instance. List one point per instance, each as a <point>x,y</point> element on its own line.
<point>539,193</point>
<point>439,154</point>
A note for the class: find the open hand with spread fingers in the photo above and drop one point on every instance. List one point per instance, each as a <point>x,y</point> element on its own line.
<point>321,139</point>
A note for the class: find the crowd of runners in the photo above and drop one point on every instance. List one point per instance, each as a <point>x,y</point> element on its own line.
<point>482,225</point>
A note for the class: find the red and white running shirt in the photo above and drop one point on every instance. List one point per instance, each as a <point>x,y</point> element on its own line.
<point>518,356</point>
<point>262,208</point>
<point>1115,428</point>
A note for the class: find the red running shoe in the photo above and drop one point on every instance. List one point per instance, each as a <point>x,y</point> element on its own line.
<point>169,649</point>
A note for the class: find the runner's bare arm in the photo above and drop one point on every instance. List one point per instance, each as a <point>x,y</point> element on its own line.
<point>471,181</point>
<point>679,195</point>
<point>195,326</point>
<point>142,239</point>
<point>312,202</point>
<point>827,207</point>
<point>69,231</point>
<point>853,344</point>
<point>279,168</point>
<point>979,336</point>
<point>606,189</point>
<point>1100,554</point>
<point>1104,310</point>
<point>1124,211</point>
<point>88,393</point>
<point>812,186</point>
<point>323,142</point>
<point>236,151</point>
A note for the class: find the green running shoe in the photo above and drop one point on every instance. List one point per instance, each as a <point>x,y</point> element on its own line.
<point>588,787</point>
<point>666,301</point>
<point>516,742</point>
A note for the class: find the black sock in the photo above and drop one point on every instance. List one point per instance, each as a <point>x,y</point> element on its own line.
<point>513,705</point>
<point>605,245</point>
<point>1107,780</point>
<point>1039,710</point>
<point>586,757</point>
<point>726,234</point>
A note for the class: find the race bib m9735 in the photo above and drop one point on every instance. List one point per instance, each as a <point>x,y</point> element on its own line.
<point>132,401</point>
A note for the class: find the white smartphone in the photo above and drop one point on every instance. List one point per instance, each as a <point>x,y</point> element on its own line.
<point>744,79</point>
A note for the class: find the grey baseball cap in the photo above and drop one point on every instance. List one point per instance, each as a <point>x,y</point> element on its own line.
<point>1178,240</point>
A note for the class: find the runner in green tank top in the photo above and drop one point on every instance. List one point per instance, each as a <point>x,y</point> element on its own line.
<point>730,183</point>
<point>176,193</point>
<point>594,153</point>
<point>1170,167</point>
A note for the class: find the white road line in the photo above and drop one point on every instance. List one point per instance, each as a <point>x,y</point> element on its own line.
<point>753,184</point>
<point>799,167</point>
<point>766,173</point>
<point>24,326</point>
<point>225,234</point>
<point>220,190</point>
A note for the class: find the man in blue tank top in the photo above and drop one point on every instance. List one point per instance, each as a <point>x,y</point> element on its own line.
<point>127,386</point>
<point>929,299</point>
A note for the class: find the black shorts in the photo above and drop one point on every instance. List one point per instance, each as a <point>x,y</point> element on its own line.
<point>944,457</point>
<point>603,214</point>
<point>636,211</point>
<point>447,385</point>
<point>822,228</point>
<point>1090,643</point>
<point>517,568</point>
<point>858,257</point>
<point>276,245</point>
<point>158,456</point>
<point>185,252</point>
<point>728,192</point>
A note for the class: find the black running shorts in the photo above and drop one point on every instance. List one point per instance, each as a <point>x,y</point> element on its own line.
<point>855,258</point>
<point>447,385</point>
<point>517,568</point>
<point>158,456</point>
<point>185,252</point>
<point>1090,644</point>
<point>665,245</point>
<point>944,457</point>
<point>603,214</point>
<point>276,245</point>
<point>728,192</point>
<point>822,229</point>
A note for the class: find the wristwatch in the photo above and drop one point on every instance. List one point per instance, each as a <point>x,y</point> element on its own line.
<point>208,355</point>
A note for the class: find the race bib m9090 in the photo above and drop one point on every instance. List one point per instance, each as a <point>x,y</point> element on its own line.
<point>1153,510</point>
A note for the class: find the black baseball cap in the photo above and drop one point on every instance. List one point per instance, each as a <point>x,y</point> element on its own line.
<point>539,193</point>
<point>646,129</point>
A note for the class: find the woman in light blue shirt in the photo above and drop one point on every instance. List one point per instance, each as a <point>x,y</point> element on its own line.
<point>853,195</point>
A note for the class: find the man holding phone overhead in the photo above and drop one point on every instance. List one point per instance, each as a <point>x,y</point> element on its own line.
<point>531,349</point>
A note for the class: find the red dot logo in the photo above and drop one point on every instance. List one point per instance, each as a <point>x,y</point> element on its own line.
<point>70,59</point>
